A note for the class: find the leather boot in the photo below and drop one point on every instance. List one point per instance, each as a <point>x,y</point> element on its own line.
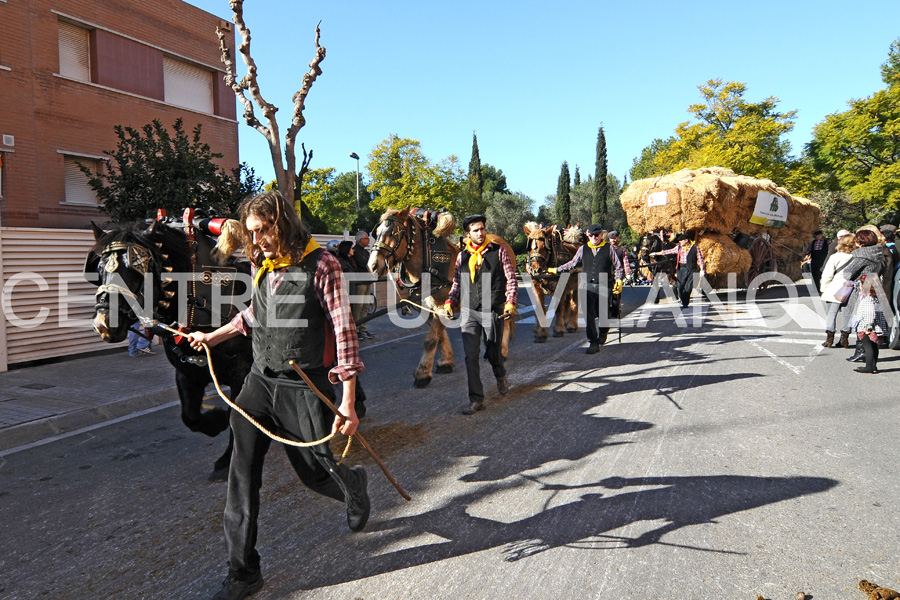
<point>859,353</point>
<point>845,339</point>
<point>829,339</point>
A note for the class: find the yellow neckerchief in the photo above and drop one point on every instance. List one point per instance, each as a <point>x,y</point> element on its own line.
<point>272,264</point>
<point>476,256</point>
<point>598,246</point>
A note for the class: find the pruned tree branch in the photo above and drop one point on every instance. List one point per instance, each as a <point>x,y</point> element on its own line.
<point>285,173</point>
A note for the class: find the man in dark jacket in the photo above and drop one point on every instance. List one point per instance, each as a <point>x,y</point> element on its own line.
<point>601,267</point>
<point>689,261</point>
<point>363,285</point>
<point>486,291</point>
<point>818,254</point>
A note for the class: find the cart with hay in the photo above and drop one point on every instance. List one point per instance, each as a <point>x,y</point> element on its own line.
<point>745,226</point>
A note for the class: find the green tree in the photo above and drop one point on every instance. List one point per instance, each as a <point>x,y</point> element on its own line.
<point>400,175</point>
<point>577,180</point>
<point>151,168</point>
<point>493,180</point>
<point>733,133</point>
<point>582,196</point>
<point>563,197</point>
<point>506,213</point>
<point>599,208</point>
<point>645,166</point>
<point>860,147</point>
<point>475,203</point>
<point>343,188</point>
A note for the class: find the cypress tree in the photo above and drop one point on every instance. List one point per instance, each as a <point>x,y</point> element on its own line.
<point>577,178</point>
<point>476,180</point>
<point>563,198</point>
<point>598,206</point>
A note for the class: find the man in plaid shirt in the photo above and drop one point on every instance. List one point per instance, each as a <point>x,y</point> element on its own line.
<point>299,311</point>
<point>484,282</point>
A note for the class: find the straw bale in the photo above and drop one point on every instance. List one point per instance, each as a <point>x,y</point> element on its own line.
<point>722,255</point>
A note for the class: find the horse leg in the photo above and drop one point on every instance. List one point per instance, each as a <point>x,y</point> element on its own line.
<point>540,332</point>
<point>422,374</point>
<point>572,303</point>
<point>445,362</point>
<point>508,331</point>
<point>191,392</point>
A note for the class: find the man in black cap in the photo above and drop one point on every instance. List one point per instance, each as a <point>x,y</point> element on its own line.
<point>485,286</point>
<point>818,254</point>
<point>689,261</point>
<point>601,266</point>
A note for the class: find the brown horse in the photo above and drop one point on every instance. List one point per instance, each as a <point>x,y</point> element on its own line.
<point>405,241</point>
<point>551,248</point>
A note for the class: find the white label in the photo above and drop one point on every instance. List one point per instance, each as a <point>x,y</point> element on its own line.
<point>658,199</point>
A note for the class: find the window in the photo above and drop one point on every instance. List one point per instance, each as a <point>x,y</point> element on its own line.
<point>188,86</point>
<point>74,52</point>
<point>77,189</point>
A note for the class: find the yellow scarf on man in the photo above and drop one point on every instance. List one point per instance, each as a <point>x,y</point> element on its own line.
<point>273,264</point>
<point>475,256</point>
<point>595,247</point>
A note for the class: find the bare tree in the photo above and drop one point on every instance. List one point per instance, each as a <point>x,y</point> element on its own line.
<point>286,174</point>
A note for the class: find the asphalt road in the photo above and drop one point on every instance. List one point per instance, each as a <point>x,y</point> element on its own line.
<point>720,460</point>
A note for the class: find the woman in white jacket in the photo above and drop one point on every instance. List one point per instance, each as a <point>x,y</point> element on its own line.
<point>830,284</point>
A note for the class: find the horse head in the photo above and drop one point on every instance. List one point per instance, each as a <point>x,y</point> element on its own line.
<point>393,241</point>
<point>127,265</point>
<point>537,246</point>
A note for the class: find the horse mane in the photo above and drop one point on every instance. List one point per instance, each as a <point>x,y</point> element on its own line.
<point>535,231</point>
<point>446,224</point>
<point>573,235</point>
<point>391,212</point>
<point>233,236</point>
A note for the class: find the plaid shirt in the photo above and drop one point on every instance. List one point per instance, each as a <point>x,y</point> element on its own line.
<point>618,272</point>
<point>509,269</point>
<point>331,291</point>
<point>682,253</point>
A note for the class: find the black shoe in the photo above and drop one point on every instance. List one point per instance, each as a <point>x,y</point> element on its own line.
<point>592,348</point>
<point>472,408</point>
<point>235,589</point>
<point>502,386</point>
<point>866,371</point>
<point>358,508</point>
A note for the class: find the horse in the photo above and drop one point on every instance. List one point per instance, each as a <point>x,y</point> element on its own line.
<point>139,268</point>
<point>550,248</point>
<point>649,266</point>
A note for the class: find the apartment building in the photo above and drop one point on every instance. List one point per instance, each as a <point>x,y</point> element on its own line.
<point>72,69</point>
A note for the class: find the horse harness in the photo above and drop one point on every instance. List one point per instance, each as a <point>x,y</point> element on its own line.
<point>435,256</point>
<point>557,254</point>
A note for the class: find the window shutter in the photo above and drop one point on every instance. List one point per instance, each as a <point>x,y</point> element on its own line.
<point>74,52</point>
<point>77,189</point>
<point>188,86</point>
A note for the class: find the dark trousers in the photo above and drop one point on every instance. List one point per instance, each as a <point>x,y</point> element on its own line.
<point>472,332</point>
<point>685,284</point>
<point>871,350</point>
<point>595,334</point>
<point>291,410</point>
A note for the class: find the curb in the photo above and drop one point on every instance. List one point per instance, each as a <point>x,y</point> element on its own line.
<point>40,429</point>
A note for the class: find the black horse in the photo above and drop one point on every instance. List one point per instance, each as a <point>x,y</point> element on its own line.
<point>170,273</point>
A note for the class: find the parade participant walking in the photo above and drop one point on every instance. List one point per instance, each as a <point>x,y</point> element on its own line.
<point>832,284</point>
<point>689,261</point>
<point>601,266</point>
<point>363,283</point>
<point>290,266</point>
<point>486,291</point>
<point>818,254</point>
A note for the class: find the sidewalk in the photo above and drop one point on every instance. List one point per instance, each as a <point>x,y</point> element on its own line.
<point>40,402</point>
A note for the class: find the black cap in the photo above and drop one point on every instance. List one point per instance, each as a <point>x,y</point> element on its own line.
<point>612,234</point>
<point>473,219</point>
<point>594,229</point>
<point>682,236</point>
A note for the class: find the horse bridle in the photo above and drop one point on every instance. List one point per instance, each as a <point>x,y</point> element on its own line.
<point>136,258</point>
<point>397,233</point>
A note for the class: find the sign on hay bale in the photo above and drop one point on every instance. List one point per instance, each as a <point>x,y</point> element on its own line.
<point>714,203</point>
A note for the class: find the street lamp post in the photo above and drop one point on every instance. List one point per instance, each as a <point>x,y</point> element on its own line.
<point>355,156</point>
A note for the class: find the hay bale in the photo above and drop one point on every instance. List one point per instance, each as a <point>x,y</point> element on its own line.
<point>722,255</point>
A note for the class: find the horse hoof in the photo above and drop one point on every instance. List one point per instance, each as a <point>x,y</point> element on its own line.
<point>443,369</point>
<point>571,329</point>
<point>218,476</point>
<point>540,340</point>
<point>420,383</point>
<point>557,334</point>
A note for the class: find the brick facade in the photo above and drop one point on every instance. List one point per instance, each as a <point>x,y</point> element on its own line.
<point>51,116</point>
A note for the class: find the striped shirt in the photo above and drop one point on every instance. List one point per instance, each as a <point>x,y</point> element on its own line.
<point>331,291</point>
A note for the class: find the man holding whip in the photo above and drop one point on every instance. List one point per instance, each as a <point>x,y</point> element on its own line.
<point>299,313</point>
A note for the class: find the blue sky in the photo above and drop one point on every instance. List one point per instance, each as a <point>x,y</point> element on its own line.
<point>535,80</point>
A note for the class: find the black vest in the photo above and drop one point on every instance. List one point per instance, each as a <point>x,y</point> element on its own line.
<point>691,260</point>
<point>594,264</point>
<point>492,268</point>
<point>276,342</point>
